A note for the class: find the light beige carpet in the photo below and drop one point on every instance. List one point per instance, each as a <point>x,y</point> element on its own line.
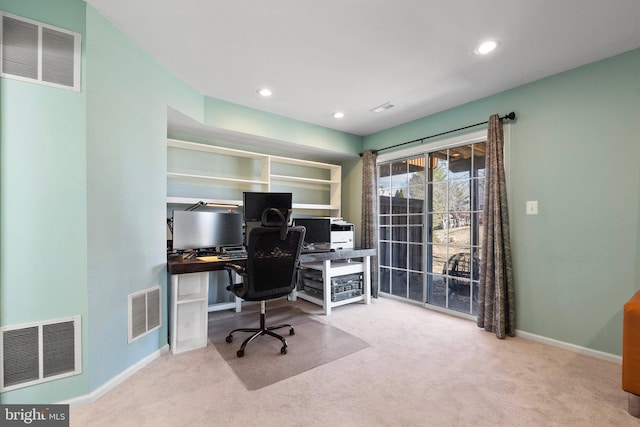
<point>421,368</point>
<point>313,344</point>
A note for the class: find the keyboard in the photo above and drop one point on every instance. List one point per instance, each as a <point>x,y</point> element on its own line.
<point>232,256</point>
<point>221,257</point>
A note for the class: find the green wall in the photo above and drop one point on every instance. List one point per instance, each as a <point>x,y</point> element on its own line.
<point>352,195</point>
<point>43,201</point>
<point>574,148</point>
<point>127,98</point>
<point>226,115</point>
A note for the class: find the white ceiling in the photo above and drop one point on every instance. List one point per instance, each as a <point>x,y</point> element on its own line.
<point>319,57</point>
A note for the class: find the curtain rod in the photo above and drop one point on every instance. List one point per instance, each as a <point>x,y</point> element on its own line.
<point>510,116</point>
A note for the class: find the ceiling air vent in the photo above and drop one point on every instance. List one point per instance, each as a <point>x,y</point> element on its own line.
<point>40,53</point>
<point>381,108</point>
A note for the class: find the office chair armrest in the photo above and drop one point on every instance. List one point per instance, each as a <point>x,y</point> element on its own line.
<point>237,288</point>
<point>239,269</point>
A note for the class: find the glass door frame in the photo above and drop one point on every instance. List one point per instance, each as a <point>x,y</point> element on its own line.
<point>418,150</point>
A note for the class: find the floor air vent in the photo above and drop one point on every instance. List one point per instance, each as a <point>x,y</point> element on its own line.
<point>144,312</point>
<point>37,352</point>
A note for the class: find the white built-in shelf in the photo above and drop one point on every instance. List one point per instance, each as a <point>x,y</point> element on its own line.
<point>213,149</point>
<point>303,179</point>
<point>309,206</point>
<point>194,200</point>
<point>176,175</point>
<point>261,179</point>
<point>238,203</point>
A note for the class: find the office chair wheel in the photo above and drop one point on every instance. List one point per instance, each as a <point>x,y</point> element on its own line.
<point>240,353</point>
<point>292,332</point>
<point>229,338</point>
<point>283,350</point>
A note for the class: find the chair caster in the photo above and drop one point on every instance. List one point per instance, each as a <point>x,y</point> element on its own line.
<point>283,350</point>
<point>229,338</point>
<point>292,332</point>
<point>240,353</point>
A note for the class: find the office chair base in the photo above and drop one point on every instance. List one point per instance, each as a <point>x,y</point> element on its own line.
<point>262,330</point>
<point>258,332</point>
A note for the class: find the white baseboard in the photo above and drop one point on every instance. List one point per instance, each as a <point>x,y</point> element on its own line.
<point>571,347</point>
<point>96,394</point>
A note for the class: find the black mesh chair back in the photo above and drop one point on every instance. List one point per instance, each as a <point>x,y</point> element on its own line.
<point>271,266</point>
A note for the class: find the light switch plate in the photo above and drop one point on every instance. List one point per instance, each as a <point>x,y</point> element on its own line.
<point>532,207</point>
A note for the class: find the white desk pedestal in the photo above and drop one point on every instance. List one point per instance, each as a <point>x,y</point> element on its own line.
<point>338,264</point>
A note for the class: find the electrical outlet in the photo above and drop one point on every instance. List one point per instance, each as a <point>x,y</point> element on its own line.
<point>532,207</point>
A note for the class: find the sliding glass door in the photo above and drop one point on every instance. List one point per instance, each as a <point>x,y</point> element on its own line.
<point>430,223</point>
<point>402,220</point>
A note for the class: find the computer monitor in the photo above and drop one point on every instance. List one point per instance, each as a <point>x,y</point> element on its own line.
<point>318,230</point>
<point>256,203</point>
<point>201,230</point>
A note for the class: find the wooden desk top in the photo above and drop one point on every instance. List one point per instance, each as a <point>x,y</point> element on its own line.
<point>180,265</point>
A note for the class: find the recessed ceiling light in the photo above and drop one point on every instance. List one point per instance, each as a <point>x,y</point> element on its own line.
<point>338,114</point>
<point>486,47</point>
<point>265,92</point>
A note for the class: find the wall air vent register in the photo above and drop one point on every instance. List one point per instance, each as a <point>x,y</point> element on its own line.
<point>39,53</point>
<point>37,352</point>
<point>145,312</point>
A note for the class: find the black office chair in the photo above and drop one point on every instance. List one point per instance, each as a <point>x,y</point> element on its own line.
<point>270,272</point>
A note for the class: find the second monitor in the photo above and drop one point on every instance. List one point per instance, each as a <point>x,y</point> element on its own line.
<point>255,203</point>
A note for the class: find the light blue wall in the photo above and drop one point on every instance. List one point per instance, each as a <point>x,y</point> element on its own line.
<point>43,199</point>
<point>574,148</point>
<point>127,98</point>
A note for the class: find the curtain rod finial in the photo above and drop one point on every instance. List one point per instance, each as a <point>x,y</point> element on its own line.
<point>511,115</point>
<point>372,152</point>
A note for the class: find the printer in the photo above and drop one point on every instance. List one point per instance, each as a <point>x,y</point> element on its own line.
<point>341,234</point>
<point>327,233</point>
